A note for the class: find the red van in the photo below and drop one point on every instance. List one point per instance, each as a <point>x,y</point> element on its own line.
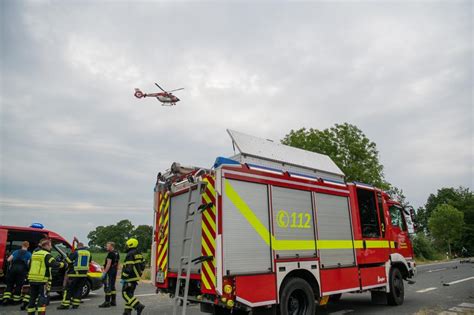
<point>11,238</point>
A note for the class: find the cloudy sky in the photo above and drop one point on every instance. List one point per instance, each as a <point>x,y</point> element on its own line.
<point>79,150</point>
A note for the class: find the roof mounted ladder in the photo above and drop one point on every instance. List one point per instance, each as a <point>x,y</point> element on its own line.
<point>192,213</point>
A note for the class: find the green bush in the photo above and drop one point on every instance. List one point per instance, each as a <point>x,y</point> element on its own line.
<point>423,248</point>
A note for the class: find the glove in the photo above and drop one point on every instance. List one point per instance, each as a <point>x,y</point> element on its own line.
<point>122,282</point>
<point>104,275</point>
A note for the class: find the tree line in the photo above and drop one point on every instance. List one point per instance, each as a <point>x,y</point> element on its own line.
<point>119,233</point>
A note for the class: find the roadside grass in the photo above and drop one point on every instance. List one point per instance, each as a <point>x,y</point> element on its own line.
<point>99,257</point>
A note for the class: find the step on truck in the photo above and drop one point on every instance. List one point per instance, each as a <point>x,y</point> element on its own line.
<point>275,229</point>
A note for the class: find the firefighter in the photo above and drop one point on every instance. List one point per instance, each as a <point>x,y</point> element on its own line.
<point>41,264</point>
<point>132,270</point>
<point>110,275</point>
<point>19,262</point>
<point>77,276</point>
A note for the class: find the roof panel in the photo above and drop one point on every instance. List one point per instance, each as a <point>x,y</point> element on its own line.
<point>275,151</point>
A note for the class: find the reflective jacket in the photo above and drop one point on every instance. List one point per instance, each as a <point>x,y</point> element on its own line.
<point>41,264</point>
<point>79,262</point>
<point>133,266</point>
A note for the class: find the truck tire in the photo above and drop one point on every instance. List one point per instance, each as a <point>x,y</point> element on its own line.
<point>297,298</point>
<point>397,291</point>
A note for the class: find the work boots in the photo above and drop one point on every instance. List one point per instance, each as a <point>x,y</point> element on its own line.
<point>113,300</point>
<point>127,312</point>
<point>139,308</point>
<point>105,304</point>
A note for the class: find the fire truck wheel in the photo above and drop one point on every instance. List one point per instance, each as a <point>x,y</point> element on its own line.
<point>397,291</point>
<point>297,298</point>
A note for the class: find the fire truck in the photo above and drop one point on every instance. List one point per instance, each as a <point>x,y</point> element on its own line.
<point>275,229</point>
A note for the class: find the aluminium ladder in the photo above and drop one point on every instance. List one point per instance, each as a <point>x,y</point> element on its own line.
<point>185,258</point>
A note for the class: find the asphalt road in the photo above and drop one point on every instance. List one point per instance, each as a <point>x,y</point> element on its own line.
<point>445,289</point>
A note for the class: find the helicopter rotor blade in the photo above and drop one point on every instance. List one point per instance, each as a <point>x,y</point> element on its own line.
<point>160,87</point>
<point>176,90</point>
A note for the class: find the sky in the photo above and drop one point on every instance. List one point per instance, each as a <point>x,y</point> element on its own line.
<point>78,150</point>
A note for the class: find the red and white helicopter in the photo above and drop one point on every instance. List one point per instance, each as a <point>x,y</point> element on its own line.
<point>166,97</point>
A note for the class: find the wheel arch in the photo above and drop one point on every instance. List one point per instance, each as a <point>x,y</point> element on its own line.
<point>304,275</point>
<point>398,261</point>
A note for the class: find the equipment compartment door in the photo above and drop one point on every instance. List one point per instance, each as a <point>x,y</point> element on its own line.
<point>335,238</point>
<point>293,223</point>
<point>245,228</point>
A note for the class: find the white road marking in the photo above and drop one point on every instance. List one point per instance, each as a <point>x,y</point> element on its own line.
<point>470,305</point>
<point>459,309</point>
<point>426,290</point>
<point>434,270</point>
<point>459,281</point>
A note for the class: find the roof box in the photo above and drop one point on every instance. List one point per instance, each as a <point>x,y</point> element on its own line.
<point>272,154</point>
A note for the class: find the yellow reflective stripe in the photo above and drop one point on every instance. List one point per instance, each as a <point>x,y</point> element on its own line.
<point>208,200</point>
<point>247,212</point>
<point>257,225</point>
<point>293,244</point>
<point>163,265</point>
<point>210,273</point>
<point>209,186</point>
<point>377,244</point>
<point>205,282</point>
<point>335,244</point>
<point>209,219</point>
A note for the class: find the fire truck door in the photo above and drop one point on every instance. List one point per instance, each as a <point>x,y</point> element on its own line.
<point>399,231</point>
<point>374,247</point>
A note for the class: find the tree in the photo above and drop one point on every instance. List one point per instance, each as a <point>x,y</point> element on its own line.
<point>462,199</point>
<point>143,233</point>
<point>446,224</point>
<point>347,146</point>
<point>119,233</point>
<point>398,195</point>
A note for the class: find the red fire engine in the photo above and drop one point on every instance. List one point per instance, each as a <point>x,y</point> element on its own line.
<point>275,228</point>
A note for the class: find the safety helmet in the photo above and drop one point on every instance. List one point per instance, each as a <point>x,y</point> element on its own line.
<point>132,243</point>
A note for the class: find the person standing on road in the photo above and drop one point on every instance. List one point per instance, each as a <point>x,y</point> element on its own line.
<point>77,277</point>
<point>110,275</point>
<point>132,270</point>
<point>40,269</point>
<point>19,263</point>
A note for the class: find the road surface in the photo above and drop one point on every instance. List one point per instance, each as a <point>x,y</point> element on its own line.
<point>444,288</point>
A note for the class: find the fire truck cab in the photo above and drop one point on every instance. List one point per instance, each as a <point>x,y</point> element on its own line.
<point>276,228</point>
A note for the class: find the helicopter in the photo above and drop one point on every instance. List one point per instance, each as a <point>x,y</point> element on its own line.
<point>166,97</point>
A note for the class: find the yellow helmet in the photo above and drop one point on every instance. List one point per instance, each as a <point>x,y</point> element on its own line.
<point>132,243</point>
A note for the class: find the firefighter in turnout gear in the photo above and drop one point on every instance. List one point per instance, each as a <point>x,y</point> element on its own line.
<point>19,263</point>
<point>110,275</point>
<point>40,269</point>
<point>77,276</point>
<point>132,270</point>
